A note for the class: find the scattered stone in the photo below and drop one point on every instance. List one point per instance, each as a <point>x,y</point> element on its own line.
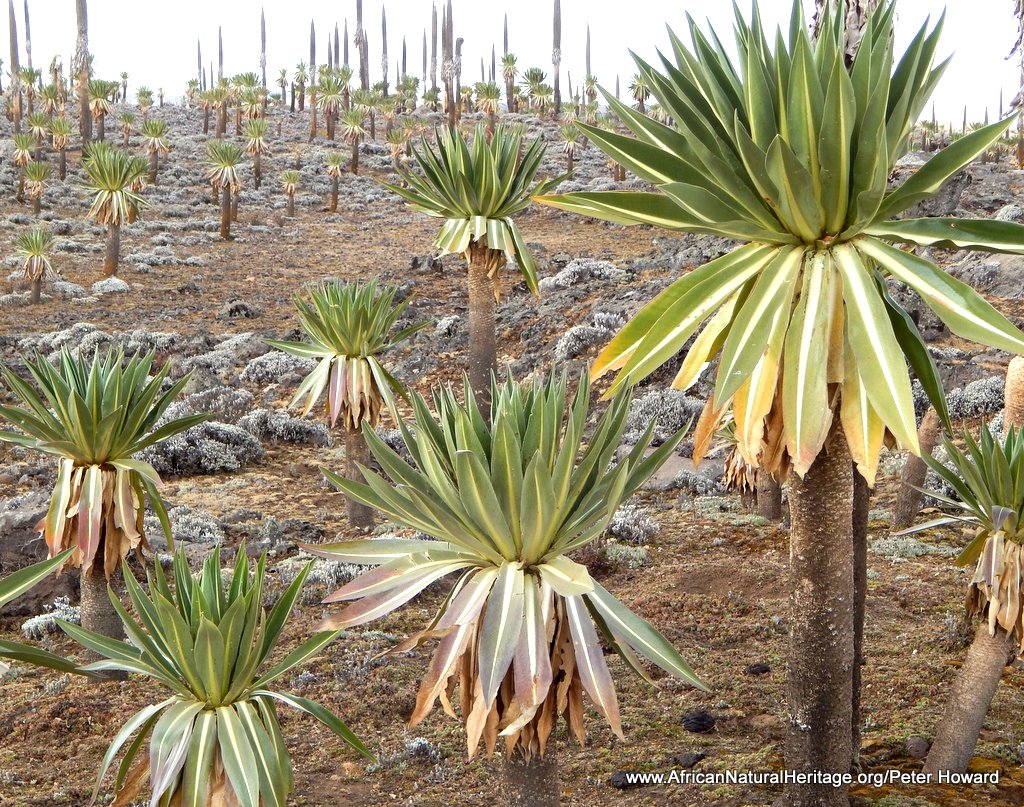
<point>699,721</point>
<point>621,780</point>
<point>758,669</point>
<point>916,747</point>
<point>238,309</point>
<point>687,759</point>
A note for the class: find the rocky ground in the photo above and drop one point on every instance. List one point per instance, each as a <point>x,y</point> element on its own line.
<point>683,554</point>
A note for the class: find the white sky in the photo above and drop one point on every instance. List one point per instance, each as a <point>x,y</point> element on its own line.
<point>156,42</point>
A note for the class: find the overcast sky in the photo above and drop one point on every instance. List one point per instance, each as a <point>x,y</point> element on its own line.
<point>155,43</point>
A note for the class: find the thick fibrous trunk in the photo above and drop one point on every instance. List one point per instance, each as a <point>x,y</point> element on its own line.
<point>769,497</point>
<point>484,264</point>
<point>62,165</point>
<point>531,783</point>
<point>291,205</point>
<point>225,212</point>
<point>969,701</point>
<point>334,194</point>
<point>915,470</point>
<point>37,290</point>
<point>354,164</point>
<point>861,513</point>
<point>819,685</point>
<point>154,166</point>
<point>257,169</point>
<point>98,613</point>
<point>113,254</point>
<point>1014,393</point>
<point>356,453</point>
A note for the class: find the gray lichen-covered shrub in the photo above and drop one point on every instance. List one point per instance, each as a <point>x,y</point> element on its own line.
<point>325,576</point>
<point>49,344</point>
<point>908,546</point>
<point>578,339</point>
<point>581,270</point>
<point>672,408</point>
<point>978,398</point>
<point>225,359</point>
<point>448,327</point>
<point>207,448</point>
<point>110,285</point>
<point>272,367</point>
<point>227,403</point>
<point>632,524</point>
<point>623,555</point>
<point>697,484</point>
<point>267,425</point>
<point>414,749</point>
<point>44,624</point>
<point>189,525</point>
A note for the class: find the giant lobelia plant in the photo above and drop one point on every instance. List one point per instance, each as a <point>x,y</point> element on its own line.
<point>476,187</point>
<point>788,149</point>
<point>349,326</point>
<point>987,480</point>
<point>216,739</point>
<point>507,499</point>
<point>94,416</point>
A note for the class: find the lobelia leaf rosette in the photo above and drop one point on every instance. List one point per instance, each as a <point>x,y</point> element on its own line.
<point>507,501</point>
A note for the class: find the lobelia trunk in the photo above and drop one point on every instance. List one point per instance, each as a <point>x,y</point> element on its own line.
<point>334,194</point>
<point>483,266</point>
<point>225,212</point>
<point>37,290</point>
<point>915,471</point>
<point>234,207</point>
<point>861,512</point>
<point>819,683</point>
<point>969,701</point>
<point>98,613</point>
<point>113,254</point>
<point>769,497</point>
<point>354,165</point>
<point>37,205</point>
<point>291,205</point>
<point>102,127</point>
<point>356,453</point>
<point>1013,394</point>
<point>20,195</point>
<point>257,169</point>
<point>154,166</point>
<point>62,164</point>
<point>206,120</point>
<point>531,782</point>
